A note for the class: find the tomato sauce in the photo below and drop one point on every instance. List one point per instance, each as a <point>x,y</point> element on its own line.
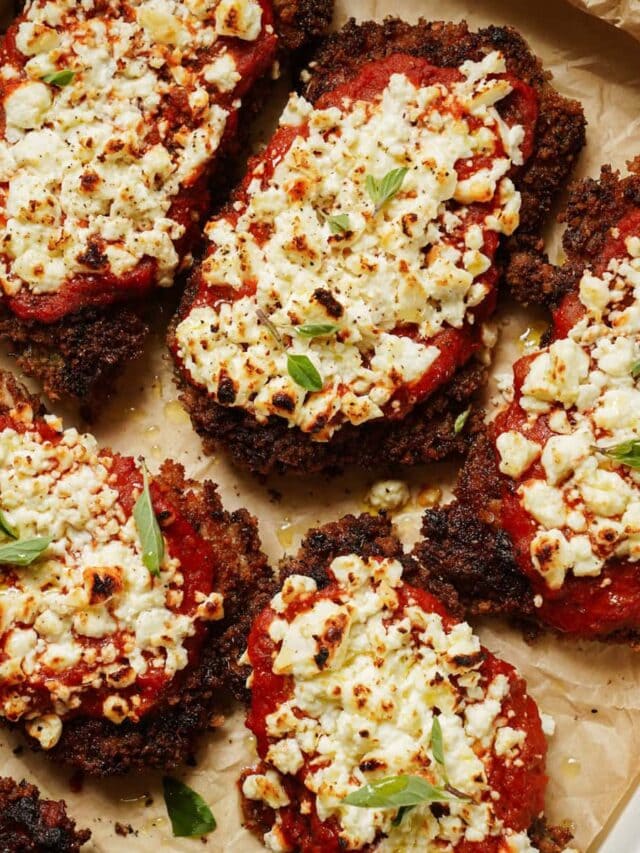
<point>101,288</point>
<point>456,345</point>
<point>182,542</point>
<point>521,787</point>
<point>588,606</point>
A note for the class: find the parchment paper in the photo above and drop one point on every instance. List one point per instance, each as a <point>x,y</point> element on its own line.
<point>621,13</point>
<point>593,691</point>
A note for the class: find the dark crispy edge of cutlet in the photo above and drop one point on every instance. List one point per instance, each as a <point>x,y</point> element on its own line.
<point>463,544</point>
<point>82,355</point>
<point>165,737</point>
<point>29,824</point>
<point>374,536</point>
<point>427,433</point>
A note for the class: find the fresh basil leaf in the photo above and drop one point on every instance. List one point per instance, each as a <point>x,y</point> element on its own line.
<point>460,421</point>
<point>190,816</point>
<point>316,330</point>
<point>6,527</point>
<point>148,529</point>
<point>24,552</point>
<point>396,791</point>
<point>402,811</point>
<point>635,369</point>
<point>339,224</point>
<point>59,78</point>
<point>303,372</point>
<point>627,453</point>
<point>437,744</point>
<point>384,190</point>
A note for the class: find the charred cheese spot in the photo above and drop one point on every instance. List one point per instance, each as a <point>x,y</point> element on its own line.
<point>419,260</point>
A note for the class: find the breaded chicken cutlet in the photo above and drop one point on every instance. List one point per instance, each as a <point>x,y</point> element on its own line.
<point>96,220</point>
<point>29,824</point>
<point>117,643</point>
<point>546,522</point>
<point>358,672</point>
<point>337,313</point>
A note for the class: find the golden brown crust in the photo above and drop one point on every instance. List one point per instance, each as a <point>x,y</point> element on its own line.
<point>427,433</point>
<point>165,737</point>
<point>82,355</point>
<point>29,824</point>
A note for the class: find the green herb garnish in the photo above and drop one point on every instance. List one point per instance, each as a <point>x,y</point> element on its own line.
<point>627,453</point>
<point>339,224</point>
<point>59,78</point>
<point>382,191</point>
<point>397,792</point>
<point>461,420</point>
<point>190,816</point>
<point>437,745</point>
<point>402,811</point>
<point>24,552</point>
<point>148,529</point>
<point>303,372</point>
<point>6,527</point>
<point>316,330</point>
<point>635,369</point>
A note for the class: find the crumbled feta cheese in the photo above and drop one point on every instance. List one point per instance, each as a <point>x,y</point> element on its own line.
<point>286,257</point>
<point>388,495</point>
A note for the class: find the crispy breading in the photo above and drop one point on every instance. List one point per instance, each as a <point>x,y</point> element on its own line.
<point>165,737</point>
<point>462,542</point>
<point>427,433</point>
<point>82,355</point>
<point>29,824</point>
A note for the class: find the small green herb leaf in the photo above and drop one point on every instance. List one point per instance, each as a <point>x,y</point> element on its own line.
<point>190,816</point>
<point>339,224</point>
<point>316,330</point>
<point>6,527</point>
<point>402,811</point>
<point>635,369</point>
<point>461,420</point>
<point>437,745</point>
<point>395,792</point>
<point>23,553</point>
<point>59,78</point>
<point>384,190</point>
<point>148,529</point>
<point>303,372</point>
<point>627,453</point>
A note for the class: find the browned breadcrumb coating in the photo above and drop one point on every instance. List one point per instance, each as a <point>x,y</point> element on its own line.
<point>29,824</point>
<point>165,737</point>
<point>82,355</point>
<point>427,433</point>
<point>462,542</point>
<point>374,536</point>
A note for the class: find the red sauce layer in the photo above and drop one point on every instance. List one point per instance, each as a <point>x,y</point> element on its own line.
<point>521,787</point>
<point>456,345</point>
<point>189,206</point>
<point>582,605</point>
<point>182,542</point>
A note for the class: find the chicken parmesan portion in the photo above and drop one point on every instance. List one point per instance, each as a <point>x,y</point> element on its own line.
<point>362,685</point>
<point>351,275</point>
<point>121,597</point>
<point>546,522</point>
<point>113,114</point>
<point>569,445</point>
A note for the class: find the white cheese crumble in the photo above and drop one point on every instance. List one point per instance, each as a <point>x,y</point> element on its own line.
<point>587,506</point>
<point>88,604</point>
<point>419,260</point>
<point>388,495</point>
<point>367,679</point>
<point>91,169</point>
